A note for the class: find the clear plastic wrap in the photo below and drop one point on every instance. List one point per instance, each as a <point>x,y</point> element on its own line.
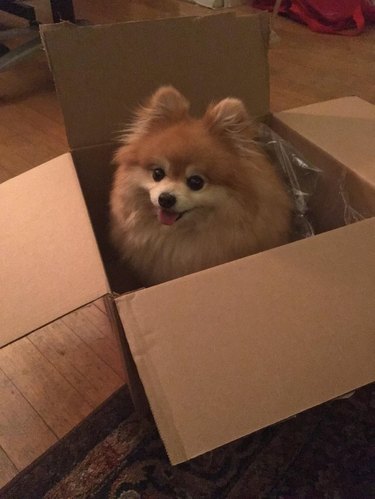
<point>351,215</point>
<point>302,179</point>
<point>300,176</point>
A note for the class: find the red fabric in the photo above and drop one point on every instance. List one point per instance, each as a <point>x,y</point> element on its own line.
<point>368,8</point>
<point>333,16</point>
<point>346,17</point>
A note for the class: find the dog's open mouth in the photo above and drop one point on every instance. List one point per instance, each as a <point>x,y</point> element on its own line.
<point>167,217</point>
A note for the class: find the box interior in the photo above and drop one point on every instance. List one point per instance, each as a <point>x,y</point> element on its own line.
<point>95,171</point>
<point>345,192</point>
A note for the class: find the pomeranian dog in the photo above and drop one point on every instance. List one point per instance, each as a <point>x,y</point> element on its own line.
<point>190,194</point>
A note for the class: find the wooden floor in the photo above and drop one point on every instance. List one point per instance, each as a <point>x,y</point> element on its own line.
<point>52,379</point>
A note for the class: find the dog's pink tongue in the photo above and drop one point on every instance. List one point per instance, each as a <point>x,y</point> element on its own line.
<point>167,217</point>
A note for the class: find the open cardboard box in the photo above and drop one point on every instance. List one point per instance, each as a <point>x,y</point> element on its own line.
<point>224,352</point>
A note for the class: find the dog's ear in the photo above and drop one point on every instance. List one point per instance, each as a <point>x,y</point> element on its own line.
<point>165,106</point>
<point>230,121</point>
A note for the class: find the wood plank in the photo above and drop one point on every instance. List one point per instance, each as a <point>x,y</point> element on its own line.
<point>12,163</point>
<point>23,434</point>
<point>98,336</point>
<point>4,175</point>
<point>30,126</point>
<point>29,77</point>
<point>95,11</point>
<point>7,468</point>
<point>31,150</point>
<point>74,360</point>
<point>24,120</point>
<point>303,67</point>
<point>46,103</point>
<point>100,319</point>
<point>101,322</point>
<point>51,395</point>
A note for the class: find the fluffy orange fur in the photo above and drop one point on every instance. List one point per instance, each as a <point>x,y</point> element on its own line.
<point>241,206</point>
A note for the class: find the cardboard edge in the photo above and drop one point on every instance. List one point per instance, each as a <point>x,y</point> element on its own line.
<point>87,213</point>
<point>158,404</point>
<point>55,320</point>
<point>137,391</point>
<point>355,99</point>
<point>49,27</point>
<point>265,28</point>
<point>67,25</point>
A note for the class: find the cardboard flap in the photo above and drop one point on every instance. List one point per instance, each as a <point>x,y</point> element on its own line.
<point>344,128</point>
<point>225,352</point>
<point>336,136</point>
<point>49,260</point>
<point>102,72</point>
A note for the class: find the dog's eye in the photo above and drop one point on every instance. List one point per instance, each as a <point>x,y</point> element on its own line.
<point>195,182</point>
<point>158,174</point>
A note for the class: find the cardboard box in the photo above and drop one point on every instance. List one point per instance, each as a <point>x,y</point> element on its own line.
<point>224,352</point>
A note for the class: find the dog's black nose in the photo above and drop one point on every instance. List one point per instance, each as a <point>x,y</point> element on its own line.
<point>167,200</point>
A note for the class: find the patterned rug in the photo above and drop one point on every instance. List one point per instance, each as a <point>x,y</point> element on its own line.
<point>326,452</point>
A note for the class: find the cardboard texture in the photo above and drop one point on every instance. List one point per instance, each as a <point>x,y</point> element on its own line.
<point>49,260</point>
<point>227,351</point>
<point>103,72</point>
<point>255,341</point>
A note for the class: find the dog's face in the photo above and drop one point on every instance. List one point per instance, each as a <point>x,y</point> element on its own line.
<point>186,166</point>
